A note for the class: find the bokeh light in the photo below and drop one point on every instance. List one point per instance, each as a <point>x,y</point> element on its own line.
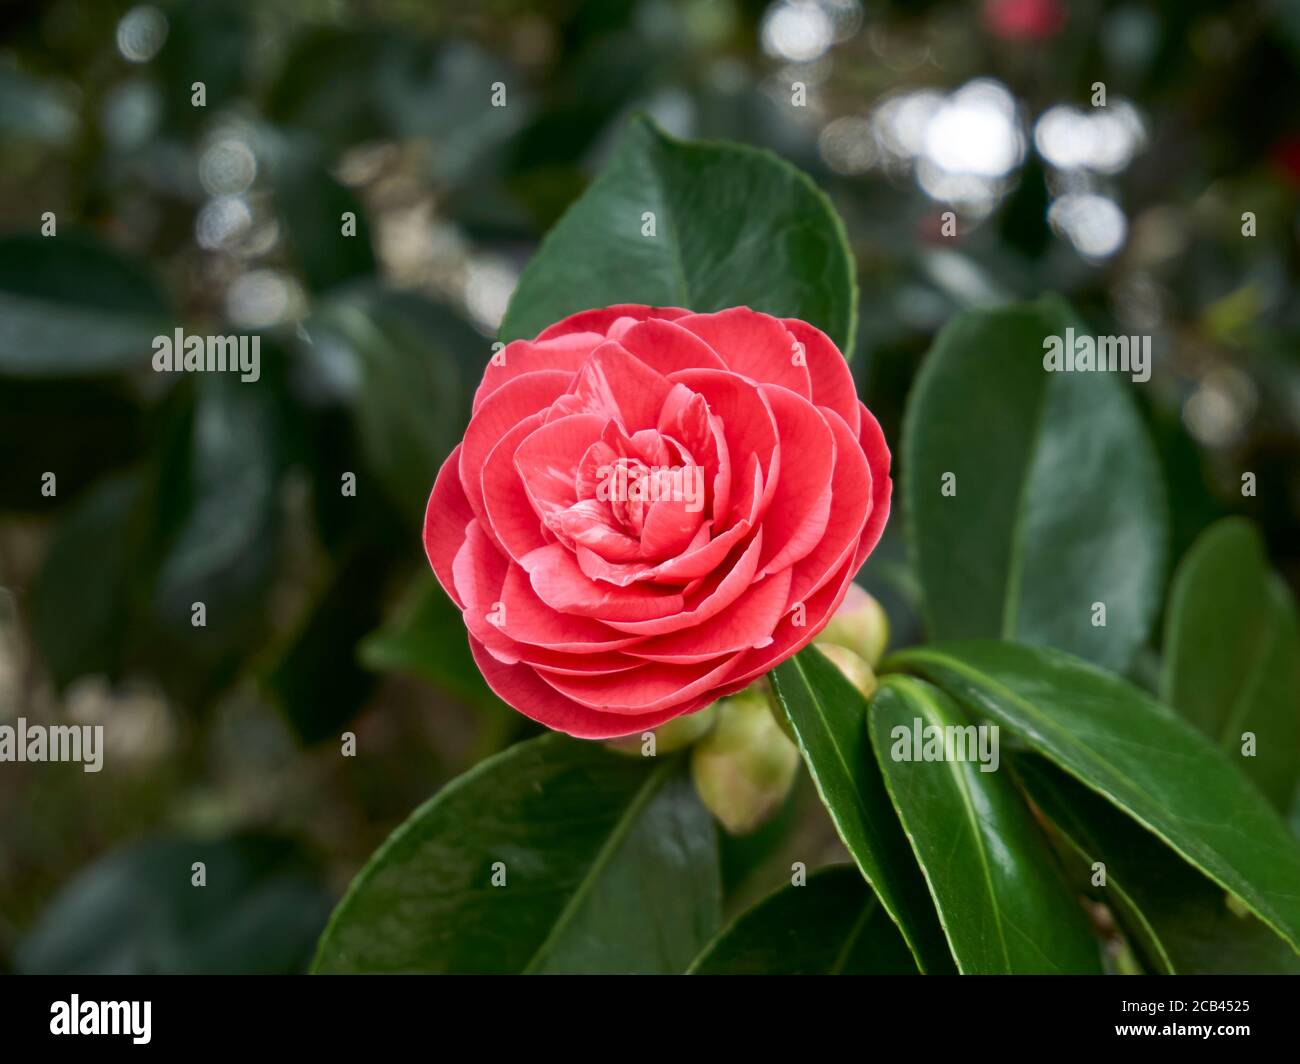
<point>141,33</point>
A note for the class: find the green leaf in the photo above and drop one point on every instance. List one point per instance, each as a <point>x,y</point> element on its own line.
<point>69,305</point>
<point>832,925</point>
<point>1058,500</point>
<point>733,225</point>
<point>1232,655</point>
<point>829,717</point>
<point>137,912</point>
<point>1137,754</point>
<point>218,503</point>
<point>610,866</point>
<point>1178,920</point>
<point>404,364</point>
<point>1001,899</point>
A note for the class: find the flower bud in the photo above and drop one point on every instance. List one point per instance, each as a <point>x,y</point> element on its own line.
<point>744,768</point>
<point>860,625</point>
<point>857,671</point>
<point>673,735</point>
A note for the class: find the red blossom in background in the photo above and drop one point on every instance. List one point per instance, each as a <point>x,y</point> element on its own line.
<point>601,613</point>
<point>1024,20</point>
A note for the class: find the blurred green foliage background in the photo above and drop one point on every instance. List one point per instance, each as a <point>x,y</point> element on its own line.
<point>224,742</point>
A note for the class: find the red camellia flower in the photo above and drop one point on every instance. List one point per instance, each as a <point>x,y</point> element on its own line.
<point>651,508</point>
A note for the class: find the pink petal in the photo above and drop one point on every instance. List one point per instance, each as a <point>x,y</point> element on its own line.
<point>525,356</point>
<point>699,561</point>
<point>877,451</point>
<point>720,592</point>
<point>747,622</point>
<point>686,418</point>
<point>748,424</point>
<point>445,518</point>
<point>515,400</point>
<point>644,690</point>
<point>832,380</point>
<point>511,518</point>
<point>555,576</point>
<point>519,686</point>
<point>851,493</point>
<point>494,628</point>
<point>600,319</point>
<point>796,520</point>
<point>479,571</point>
<point>589,525</point>
<point>666,347</point>
<point>788,639</point>
<point>531,621</point>
<point>547,461</point>
<point>753,344</point>
<point>619,387</point>
<point>669,529</point>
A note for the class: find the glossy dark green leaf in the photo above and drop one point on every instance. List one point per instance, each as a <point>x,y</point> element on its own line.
<point>137,912</point>
<point>733,225</point>
<point>218,503</point>
<point>69,304</point>
<point>1232,655</point>
<point>1177,919</point>
<point>1002,901</point>
<point>1136,753</point>
<point>1058,501</point>
<point>407,367</point>
<point>829,717</point>
<point>832,925</point>
<point>610,866</point>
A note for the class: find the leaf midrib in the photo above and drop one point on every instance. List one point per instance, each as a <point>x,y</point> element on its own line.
<point>604,855</point>
<point>1016,551</point>
<point>1261,909</point>
<point>815,695</point>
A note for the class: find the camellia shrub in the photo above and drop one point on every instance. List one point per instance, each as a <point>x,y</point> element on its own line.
<point>651,529</point>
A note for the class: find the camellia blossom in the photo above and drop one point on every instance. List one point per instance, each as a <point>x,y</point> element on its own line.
<point>1024,20</point>
<point>604,612</point>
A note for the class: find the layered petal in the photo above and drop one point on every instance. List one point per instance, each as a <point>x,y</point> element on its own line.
<point>651,508</point>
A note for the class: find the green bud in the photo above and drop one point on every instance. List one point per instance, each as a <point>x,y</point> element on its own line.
<point>860,625</point>
<point>744,768</point>
<point>673,735</point>
<point>858,672</point>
